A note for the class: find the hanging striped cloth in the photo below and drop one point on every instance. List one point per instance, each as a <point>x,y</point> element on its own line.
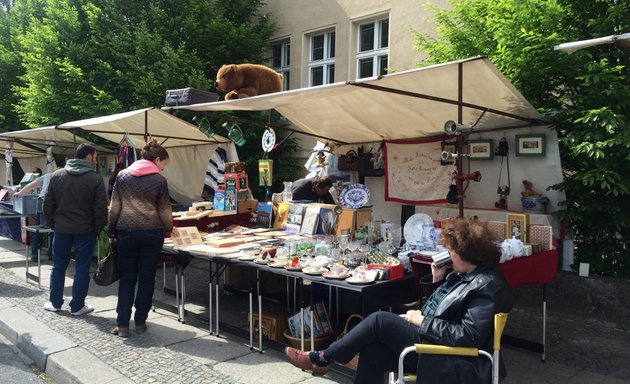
<point>215,173</point>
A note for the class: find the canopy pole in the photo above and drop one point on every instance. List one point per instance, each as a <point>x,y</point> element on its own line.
<point>460,138</point>
<point>146,126</point>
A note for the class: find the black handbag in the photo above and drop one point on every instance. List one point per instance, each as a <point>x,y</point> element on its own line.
<point>188,96</point>
<point>107,268</point>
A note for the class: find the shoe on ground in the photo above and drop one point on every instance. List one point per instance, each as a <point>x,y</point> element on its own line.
<point>87,308</point>
<point>50,307</point>
<point>301,360</point>
<point>141,328</point>
<point>120,331</point>
<point>34,258</point>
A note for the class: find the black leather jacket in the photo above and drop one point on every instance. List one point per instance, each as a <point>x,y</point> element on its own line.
<point>464,318</point>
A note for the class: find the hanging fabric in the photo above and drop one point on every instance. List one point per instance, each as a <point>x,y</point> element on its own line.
<point>126,155</point>
<point>215,173</point>
<point>8,158</point>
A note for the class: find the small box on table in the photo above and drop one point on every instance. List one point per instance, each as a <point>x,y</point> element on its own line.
<point>393,271</point>
<point>240,180</point>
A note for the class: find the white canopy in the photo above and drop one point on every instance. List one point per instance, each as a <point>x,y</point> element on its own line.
<point>169,130</point>
<point>30,143</point>
<point>404,105</point>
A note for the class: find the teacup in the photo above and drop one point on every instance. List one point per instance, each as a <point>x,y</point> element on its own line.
<point>517,247</point>
<point>268,252</point>
<point>506,250</point>
<point>337,269</point>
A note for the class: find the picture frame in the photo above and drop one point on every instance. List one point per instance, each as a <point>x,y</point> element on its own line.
<point>481,149</point>
<point>448,147</point>
<point>518,226</point>
<point>530,145</point>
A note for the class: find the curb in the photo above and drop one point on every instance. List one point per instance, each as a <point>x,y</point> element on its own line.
<point>58,356</point>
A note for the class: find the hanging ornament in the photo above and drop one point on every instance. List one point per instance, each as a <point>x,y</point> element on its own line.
<point>268,139</point>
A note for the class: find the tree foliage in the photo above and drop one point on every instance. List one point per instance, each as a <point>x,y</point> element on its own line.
<point>586,95</point>
<point>62,60</point>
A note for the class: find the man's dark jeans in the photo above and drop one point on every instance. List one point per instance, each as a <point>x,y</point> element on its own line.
<point>138,254</point>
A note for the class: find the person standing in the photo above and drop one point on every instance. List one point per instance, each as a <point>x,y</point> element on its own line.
<point>139,214</point>
<point>75,207</point>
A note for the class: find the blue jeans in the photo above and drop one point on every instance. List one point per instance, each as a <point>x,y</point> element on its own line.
<point>138,254</point>
<point>84,250</point>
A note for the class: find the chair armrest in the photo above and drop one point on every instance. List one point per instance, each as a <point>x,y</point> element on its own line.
<point>430,349</point>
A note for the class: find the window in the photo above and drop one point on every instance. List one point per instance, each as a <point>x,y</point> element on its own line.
<point>281,60</point>
<point>322,59</point>
<point>373,48</point>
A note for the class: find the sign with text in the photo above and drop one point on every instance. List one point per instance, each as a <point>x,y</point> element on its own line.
<point>413,173</point>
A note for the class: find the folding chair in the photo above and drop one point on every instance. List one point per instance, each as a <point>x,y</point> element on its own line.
<point>500,319</point>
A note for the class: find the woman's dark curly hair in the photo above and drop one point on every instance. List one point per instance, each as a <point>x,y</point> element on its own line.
<point>472,241</point>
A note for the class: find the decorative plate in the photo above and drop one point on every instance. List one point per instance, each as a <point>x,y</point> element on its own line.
<point>332,276</point>
<point>353,280</point>
<point>294,269</point>
<point>313,271</point>
<point>413,228</point>
<point>354,196</point>
<point>261,261</point>
<point>268,139</point>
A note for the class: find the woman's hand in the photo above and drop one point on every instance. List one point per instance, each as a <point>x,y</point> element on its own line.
<point>414,317</point>
<point>438,273</point>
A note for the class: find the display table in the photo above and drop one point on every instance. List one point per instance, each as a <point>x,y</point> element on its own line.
<point>41,230</point>
<point>538,269</point>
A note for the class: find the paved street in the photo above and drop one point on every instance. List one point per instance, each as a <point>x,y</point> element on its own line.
<point>15,367</point>
<point>81,350</point>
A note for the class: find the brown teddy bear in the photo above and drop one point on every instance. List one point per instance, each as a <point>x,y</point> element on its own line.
<point>246,80</point>
<point>528,189</point>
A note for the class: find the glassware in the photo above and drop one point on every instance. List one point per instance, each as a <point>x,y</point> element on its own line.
<point>287,195</point>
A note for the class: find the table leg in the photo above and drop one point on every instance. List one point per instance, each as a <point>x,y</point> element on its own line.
<point>260,348</point>
<point>39,268</point>
<point>210,293</point>
<point>288,295</point>
<point>177,292</point>
<point>544,329</point>
<point>251,319</point>
<point>216,302</point>
<point>183,298</point>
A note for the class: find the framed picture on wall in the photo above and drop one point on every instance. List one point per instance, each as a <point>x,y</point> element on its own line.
<point>530,145</point>
<point>481,149</point>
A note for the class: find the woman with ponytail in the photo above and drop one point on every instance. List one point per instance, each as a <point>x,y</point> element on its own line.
<point>139,214</point>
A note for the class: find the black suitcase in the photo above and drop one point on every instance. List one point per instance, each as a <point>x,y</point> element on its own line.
<point>188,96</point>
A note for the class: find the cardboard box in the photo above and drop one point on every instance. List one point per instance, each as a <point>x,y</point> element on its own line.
<point>247,206</point>
<point>352,219</point>
<point>273,326</point>
<point>240,180</point>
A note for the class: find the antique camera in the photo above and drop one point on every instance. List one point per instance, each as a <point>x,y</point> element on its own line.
<point>503,148</point>
<point>503,190</point>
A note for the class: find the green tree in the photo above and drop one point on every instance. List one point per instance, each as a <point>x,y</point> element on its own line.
<point>586,95</point>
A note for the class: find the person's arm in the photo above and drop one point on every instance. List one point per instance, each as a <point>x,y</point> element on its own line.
<point>100,205</point>
<point>28,187</point>
<point>115,206</point>
<point>165,209</point>
<point>50,204</point>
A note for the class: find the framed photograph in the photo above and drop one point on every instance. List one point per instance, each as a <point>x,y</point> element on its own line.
<point>481,149</point>
<point>530,145</point>
<point>518,226</point>
<point>448,147</point>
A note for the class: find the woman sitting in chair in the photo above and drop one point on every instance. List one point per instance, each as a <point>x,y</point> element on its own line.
<point>460,312</point>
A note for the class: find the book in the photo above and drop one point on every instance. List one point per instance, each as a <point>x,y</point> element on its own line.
<point>294,218</point>
<point>322,318</point>
<point>265,172</point>
<point>264,215</point>
<point>230,199</point>
<point>281,216</point>
<point>219,200</point>
<point>310,220</point>
<point>185,236</point>
<point>326,222</point>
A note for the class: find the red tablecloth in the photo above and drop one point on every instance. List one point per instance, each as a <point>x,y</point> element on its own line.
<point>539,268</point>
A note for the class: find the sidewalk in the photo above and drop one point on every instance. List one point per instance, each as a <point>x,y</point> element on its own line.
<point>81,350</point>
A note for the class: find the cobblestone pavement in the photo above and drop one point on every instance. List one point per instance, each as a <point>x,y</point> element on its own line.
<point>141,359</point>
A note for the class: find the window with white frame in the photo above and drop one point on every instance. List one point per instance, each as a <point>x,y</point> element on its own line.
<point>372,52</point>
<point>281,60</point>
<point>321,63</point>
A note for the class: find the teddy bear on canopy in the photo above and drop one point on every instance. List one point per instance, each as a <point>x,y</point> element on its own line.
<point>239,81</point>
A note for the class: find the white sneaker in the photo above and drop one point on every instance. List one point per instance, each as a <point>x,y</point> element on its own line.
<point>50,307</point>
<point>87,308</point>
